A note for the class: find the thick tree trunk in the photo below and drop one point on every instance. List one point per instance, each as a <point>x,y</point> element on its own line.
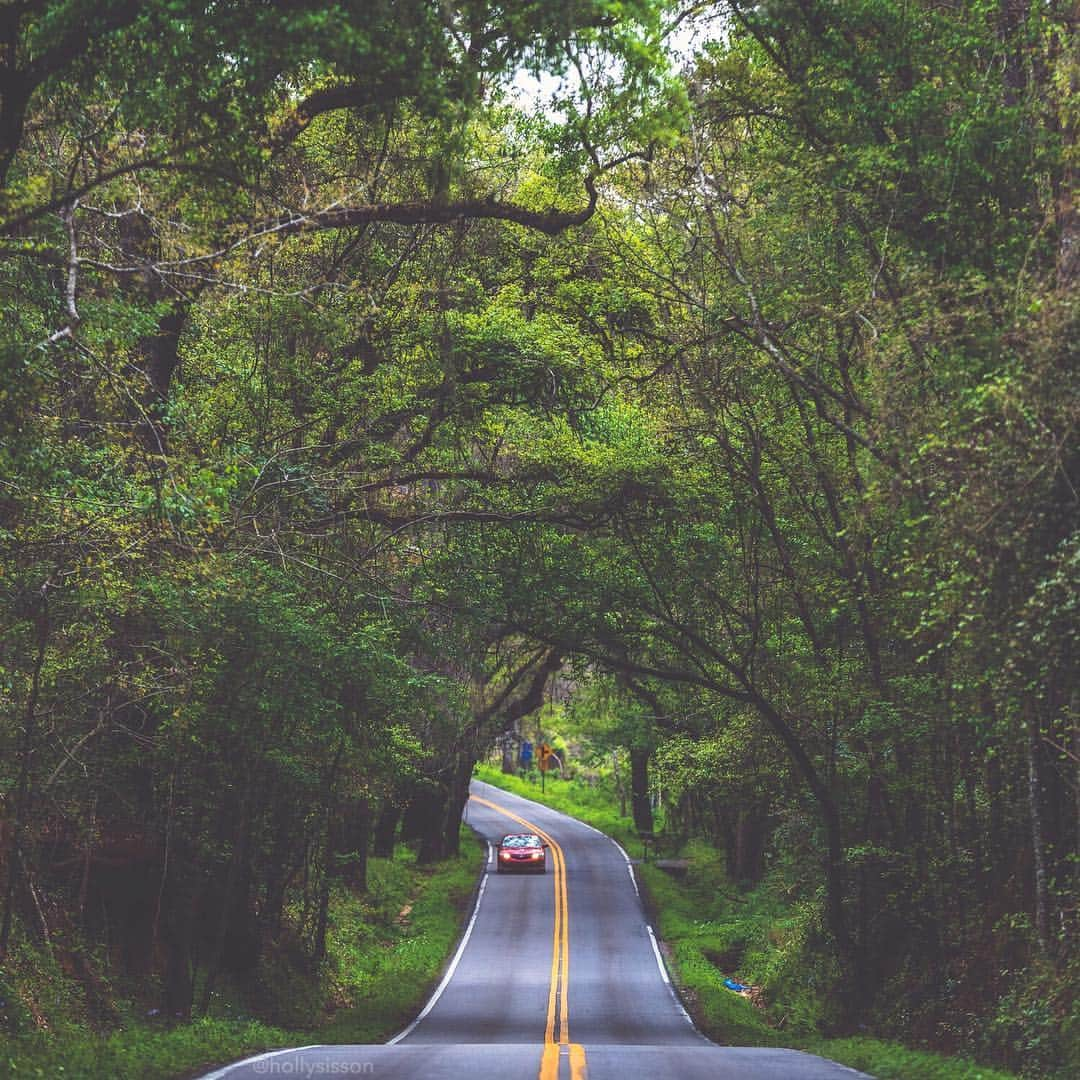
<point>15,91</point>
<point>386,829</point>
<point>639,790</point>
<point>358,841</point>
<point>751,829</point>
<point>179,964</point>
<point>459,797</point>
<point>425,820</point>
<point>160,359</point>
<point>433,825</point>
<point>232,876</point>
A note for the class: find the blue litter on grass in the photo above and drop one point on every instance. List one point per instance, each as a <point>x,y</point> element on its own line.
<point>738,987</point>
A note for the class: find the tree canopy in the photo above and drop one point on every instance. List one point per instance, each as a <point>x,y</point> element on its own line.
<point>346,399</point>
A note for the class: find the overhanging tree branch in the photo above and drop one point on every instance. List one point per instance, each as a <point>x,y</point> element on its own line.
<point>433,212</point>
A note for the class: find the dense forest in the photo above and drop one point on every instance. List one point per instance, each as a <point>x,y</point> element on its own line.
<point>366,366</point>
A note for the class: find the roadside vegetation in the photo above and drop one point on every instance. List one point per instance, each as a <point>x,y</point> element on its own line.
<point>376,373</point>
<point>387,947</point>
<point>713,928</point>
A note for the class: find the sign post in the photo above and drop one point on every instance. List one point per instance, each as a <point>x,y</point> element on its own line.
<point>545,764</point>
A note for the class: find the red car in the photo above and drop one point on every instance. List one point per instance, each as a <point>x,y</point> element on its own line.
<point>522,851</point>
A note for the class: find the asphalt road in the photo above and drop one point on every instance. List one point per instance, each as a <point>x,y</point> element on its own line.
<point>558,977</point>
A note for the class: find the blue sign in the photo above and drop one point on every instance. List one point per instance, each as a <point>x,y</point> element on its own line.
<point>526,752</point>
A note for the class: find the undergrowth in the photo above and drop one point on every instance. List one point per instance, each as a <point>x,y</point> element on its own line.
<point>386,948</point>
<point>712,930</point>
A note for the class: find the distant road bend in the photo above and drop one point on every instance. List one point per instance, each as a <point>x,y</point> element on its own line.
<point>556,978</point>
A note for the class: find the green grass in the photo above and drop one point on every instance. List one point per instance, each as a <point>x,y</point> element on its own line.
<point>387,979</point>
<point>590,802</point>
<point>138,1052</point>
<point>381,968</point>
<point>711,931</point>
<point>890,1061</point>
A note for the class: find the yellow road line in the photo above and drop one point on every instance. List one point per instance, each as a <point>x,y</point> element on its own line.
<point>560,960</point>
<point>565,1017</point>
<point>556,949</point>
<point>578,1069</point>
<point>549,1063</point>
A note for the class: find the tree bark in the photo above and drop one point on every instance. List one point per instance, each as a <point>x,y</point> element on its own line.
<point>386,829</point>
<point>232,875</point>
<point>161,356</point>
<point>357,841</point>
<point>751,824</point>
<point>431,819</point>
<point>639,790</point>
<point>458,799</point>
<point>435,212</point>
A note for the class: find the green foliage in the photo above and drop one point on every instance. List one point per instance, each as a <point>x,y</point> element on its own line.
<point>345,399</point>
<point>1034,1028</point>
<point>717,931</point>
<point>887,1061</point>
<point>142,1053</point>
<point>386,966</point>
<point>711,931</point>
<point>381,966</point>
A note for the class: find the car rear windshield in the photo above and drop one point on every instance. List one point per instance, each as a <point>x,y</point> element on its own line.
<point>521,841</point>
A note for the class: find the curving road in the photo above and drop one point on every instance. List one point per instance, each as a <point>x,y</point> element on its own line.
<point>556,978</point>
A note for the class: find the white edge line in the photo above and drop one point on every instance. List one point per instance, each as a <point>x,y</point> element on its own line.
<point>258,1057</point>
<point>659,959</point>
<point>655,944</point>
<point>491,854</point>
<point>629,865</point>
<point>667,980</point>
<point>449,971</point>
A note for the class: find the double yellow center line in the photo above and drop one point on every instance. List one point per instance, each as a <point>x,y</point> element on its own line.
<point>558,992</point>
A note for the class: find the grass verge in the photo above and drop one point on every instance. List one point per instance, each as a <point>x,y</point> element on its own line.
<point>383,962</point>
<point>591,803</point>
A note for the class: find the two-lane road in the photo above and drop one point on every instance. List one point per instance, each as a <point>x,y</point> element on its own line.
<point>557,978</point>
